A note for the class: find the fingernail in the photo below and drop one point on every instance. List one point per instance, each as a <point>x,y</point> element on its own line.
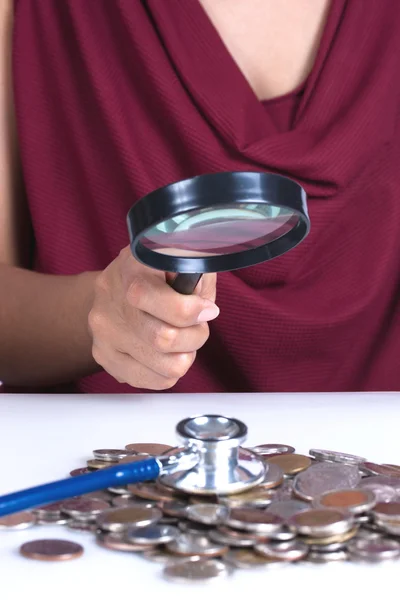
<point>209,313</point>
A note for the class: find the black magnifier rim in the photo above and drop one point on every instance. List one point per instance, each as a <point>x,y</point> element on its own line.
<point>211,190</point>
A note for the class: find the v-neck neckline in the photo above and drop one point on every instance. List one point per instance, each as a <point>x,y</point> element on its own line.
<point>214,80</point>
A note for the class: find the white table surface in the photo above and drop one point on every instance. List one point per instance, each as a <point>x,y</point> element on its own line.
<point>42,438</point>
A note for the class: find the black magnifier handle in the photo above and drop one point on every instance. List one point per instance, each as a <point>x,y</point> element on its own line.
<point>185,283</point>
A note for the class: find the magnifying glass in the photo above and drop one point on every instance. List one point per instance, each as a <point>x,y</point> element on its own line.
<point>217,222</point>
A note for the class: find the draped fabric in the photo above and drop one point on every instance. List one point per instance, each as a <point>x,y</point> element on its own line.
<point>115,99</point>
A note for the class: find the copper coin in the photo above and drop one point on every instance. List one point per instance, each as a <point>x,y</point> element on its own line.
<point>387,511</point>
<point>80,525</point>
<point>20,520</point>
<point>271,449</point>
<point>387,470</point>
<point>354,500</point>
<point>83,507</point>
<point>51,550</point>
<point>49,510</point>
<point>151,449</point>
<point>274,476</point>
<point>244,558</point>
<point>94,465</point>
<point>113,542</point>
<point>249,519</point>
<point>133,458</point>
<point>121,519</point>
<point>290,463</point>
<point>238,534</point>
<point>80,471</point>
<point>150,491</point>
<point>103,495</point>
<point>321,522</point>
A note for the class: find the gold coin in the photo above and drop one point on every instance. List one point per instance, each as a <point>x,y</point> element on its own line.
<point>290,463</point>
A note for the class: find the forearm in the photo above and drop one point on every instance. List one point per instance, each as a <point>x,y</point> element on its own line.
<point>44,335</point>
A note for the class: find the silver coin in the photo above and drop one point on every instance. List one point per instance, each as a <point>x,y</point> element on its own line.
<point>20,520</point>
<point>252,519</point>
<point>340,457</point>
<point>288,551</point>
<point>283,535</point>
<point>119,491</point>
<point>86,526</point>
<point>195,570</point>
<point>188,544</point>
<point>363,518</point>
<point>368,534</point>
<point>393,482</point>
<point>152,534</point>
<point>325,477</point>
<point>83,507</point>
<point>121,501</point>
<point>207,514</point>
<point>386,511</point>
<point>247,558</point>
<point>168,521</point>
<point>374,550</point>
<point>111,455</point>
<point>383,493</point>
<point>333,547</point>
<point>226,539</point>
<point>389,528</point>
<point>284,491</point>
<point>326,557</point>
<point>60,520</point>
<point>272,449</point>
<point>287,508</point>
<point>161,555</point>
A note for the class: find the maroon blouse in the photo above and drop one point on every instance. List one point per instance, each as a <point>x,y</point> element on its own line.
<point>115,99</point>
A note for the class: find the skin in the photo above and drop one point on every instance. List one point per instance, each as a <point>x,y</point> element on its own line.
<point>127,320</point>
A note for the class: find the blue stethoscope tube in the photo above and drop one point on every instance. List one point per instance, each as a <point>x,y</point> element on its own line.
<point>56,491</point>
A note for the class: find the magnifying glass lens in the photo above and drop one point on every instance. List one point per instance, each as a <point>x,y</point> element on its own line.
<point>217,231</point>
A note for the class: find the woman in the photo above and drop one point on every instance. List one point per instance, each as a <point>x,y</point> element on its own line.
<point>103,102</point>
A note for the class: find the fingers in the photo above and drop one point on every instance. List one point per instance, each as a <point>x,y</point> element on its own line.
<point>153,296</point>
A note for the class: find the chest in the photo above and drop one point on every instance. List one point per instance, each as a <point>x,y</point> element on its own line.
<point>274,44</point>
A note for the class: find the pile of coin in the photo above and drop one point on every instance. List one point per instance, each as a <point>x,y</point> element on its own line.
<point>328,506</point>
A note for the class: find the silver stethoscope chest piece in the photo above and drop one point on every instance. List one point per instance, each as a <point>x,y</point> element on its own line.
<point>222,466</point>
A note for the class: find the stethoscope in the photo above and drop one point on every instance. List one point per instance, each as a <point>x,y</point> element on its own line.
<point>209,223</point>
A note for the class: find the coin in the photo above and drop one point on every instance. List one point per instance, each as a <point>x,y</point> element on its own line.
<point>273,477</point>
<point>374,550</point>
<point>288,551</point>
<point>151,449</point>
<point>20,520</point>
<point>387,511</point>
<point>119,491</point>
<point>271,449</point>
<point>152,534</point>
<point>110,454</point>
<point>150,491</point>
<point>381,491</point>
<point>61,520</point>
<point>132,458</point>
<point>325,477</point>
<point>159,554</point>
<point>114,542</point>
<point>321,522</point>
<point>175,509</point>
<point>94,464</point>
<point>123,501</point>
<point>354,500</point>
<point>249,519</point>
<point>340,457</point>
<point>326,557</point>
<point>104,495</point>
<point>254,497</point>
<point>387,470</point>
<point>49,510</point>
<point>80,471</point>
<point>287,508</point>
<point>120,519</point>
<point>51,550</point>
<point>232,538</point>
<point>80,525</point>
<point>83,507</point>
<point>189,544</point>
<point>195,570</point>
<point>207,514</point>
<point>333,547</point>
<point>339,538</point>
<point>192,527</point>
<point>290,463</point>
<point>244,558</point>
